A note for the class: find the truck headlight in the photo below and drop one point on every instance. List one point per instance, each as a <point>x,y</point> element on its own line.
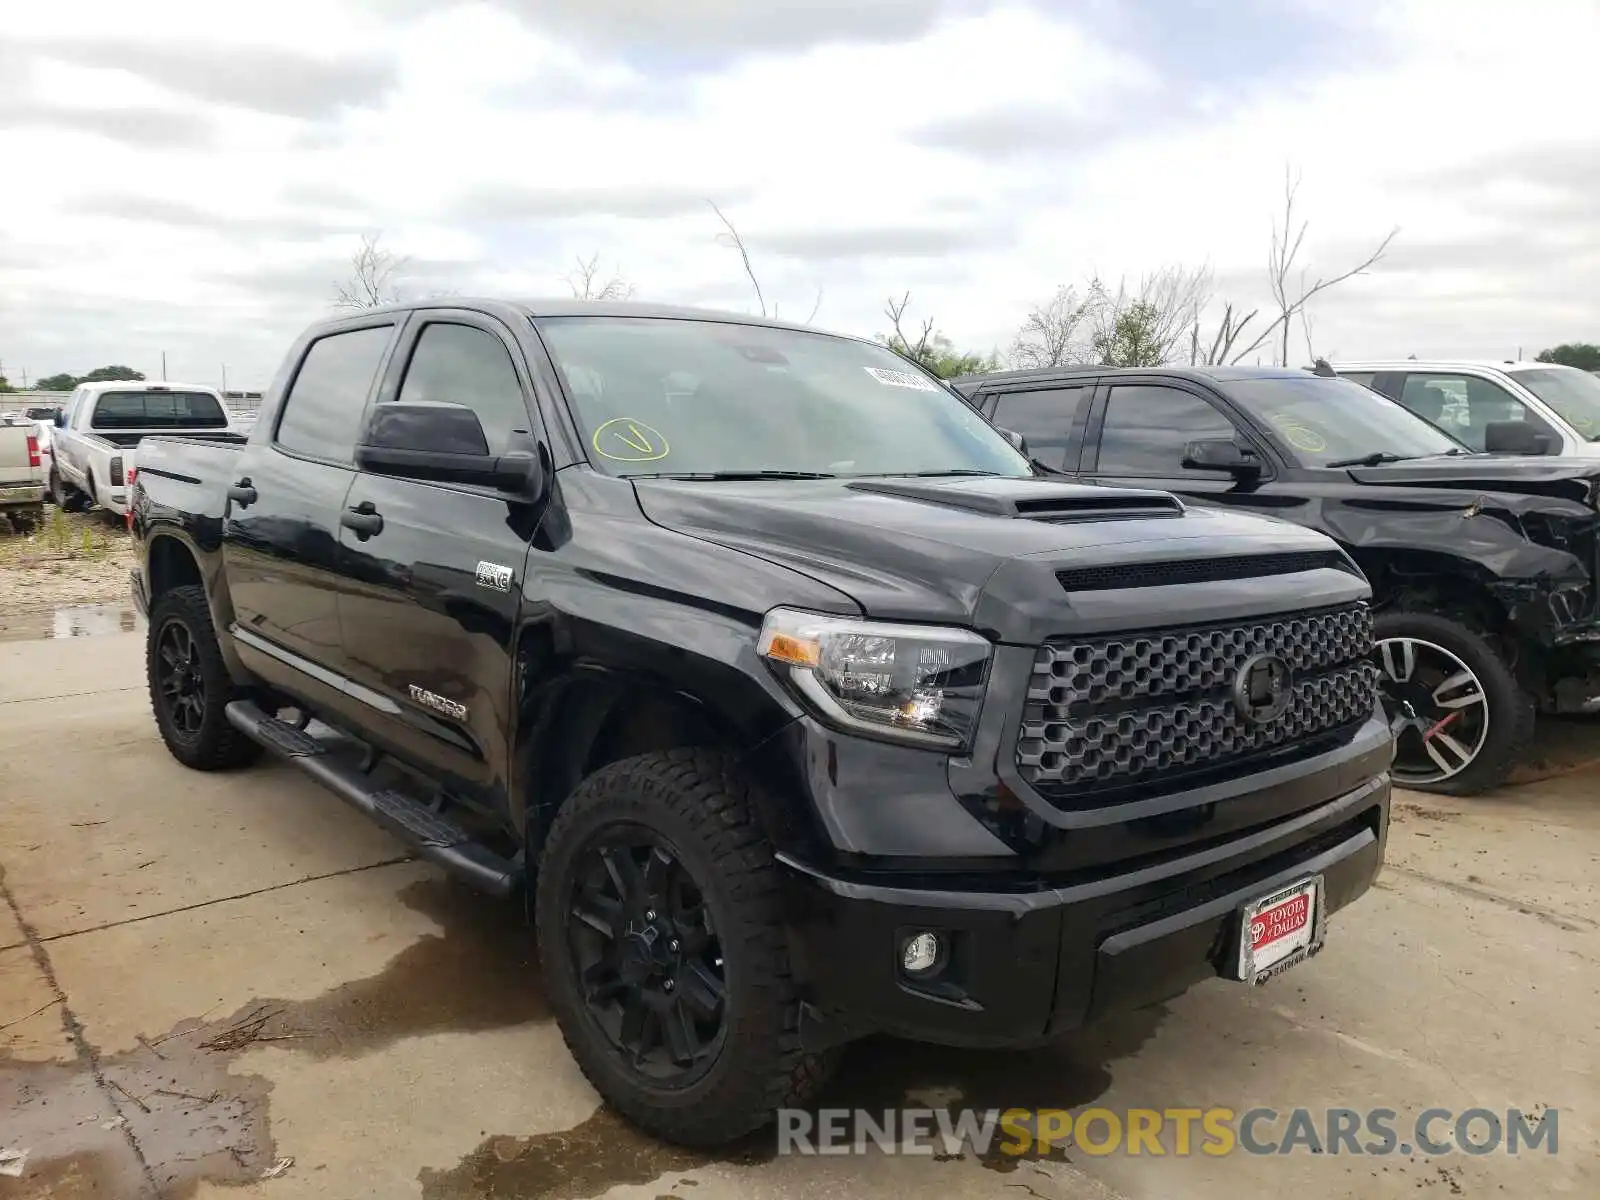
<point>914,683</point>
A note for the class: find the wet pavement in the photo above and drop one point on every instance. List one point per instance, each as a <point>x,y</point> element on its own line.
<point>232,985</point>
<point>69,621</point>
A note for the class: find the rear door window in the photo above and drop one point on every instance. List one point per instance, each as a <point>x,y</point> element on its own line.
<point>323,411</point>
<point>158,410</point>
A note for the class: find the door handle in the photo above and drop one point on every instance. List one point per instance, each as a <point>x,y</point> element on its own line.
<point>363,519</point>
<point>242,493</point>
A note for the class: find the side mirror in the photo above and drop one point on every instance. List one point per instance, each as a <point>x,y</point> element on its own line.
<point>443,443</point>
<point>1514,437</point>
<point>61,418</point>
<point>1016,439</point>
<point>1222,454</point>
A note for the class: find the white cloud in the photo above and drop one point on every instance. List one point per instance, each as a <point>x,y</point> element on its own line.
<point>494,148</point>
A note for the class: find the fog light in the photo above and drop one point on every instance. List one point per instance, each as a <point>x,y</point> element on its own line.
<point>921,953</point>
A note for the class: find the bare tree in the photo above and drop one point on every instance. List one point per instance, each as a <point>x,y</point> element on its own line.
<point>895,310</point>
<point>1291,288</point>
<point>1163,306</point>
<point>1229,330</point>
<point>374,274</point>
<point>1049,336</point>
<point>732,238</point>
<point>585,282</point>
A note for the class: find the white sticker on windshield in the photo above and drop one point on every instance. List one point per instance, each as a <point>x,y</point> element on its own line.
<point>903,379</point>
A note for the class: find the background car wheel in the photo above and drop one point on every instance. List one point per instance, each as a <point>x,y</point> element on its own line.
<point>1460,718</point>
<point>190,685</point>
<point>662,943</point>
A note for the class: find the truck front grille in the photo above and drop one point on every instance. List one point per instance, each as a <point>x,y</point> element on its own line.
<point>1149,708</point>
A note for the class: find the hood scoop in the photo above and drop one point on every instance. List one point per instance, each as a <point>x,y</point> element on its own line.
<point>1029,499</point>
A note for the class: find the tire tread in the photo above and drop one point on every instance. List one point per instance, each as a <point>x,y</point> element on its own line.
<point>770,1069</point>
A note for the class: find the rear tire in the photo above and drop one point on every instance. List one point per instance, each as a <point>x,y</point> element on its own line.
<point>67,498</point>
<point>190,686</point>
<point>1425,658</point>
<point>693,810</point>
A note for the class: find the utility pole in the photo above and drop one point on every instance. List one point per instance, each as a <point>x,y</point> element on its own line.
<point>224,381</point>
<point>163,366</point>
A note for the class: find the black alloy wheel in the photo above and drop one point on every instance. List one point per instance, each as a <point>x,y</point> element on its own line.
<point>179,679</point>
<point>646,953</point>
<point>189,684</point>
<point>664,947</point>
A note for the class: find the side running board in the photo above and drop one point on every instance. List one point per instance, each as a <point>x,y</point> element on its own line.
<point>436,838</point>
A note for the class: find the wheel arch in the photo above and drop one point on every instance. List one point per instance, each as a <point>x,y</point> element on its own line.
<point>171,561</point>
<point>593,717</point>
<point>1434,581</point>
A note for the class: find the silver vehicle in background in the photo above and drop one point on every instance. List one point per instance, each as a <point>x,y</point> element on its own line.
<point>1508,407</point>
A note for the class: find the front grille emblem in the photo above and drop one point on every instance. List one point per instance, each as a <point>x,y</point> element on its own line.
<point>1261,690</point>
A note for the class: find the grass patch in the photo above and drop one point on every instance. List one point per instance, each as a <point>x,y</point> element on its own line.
<point>63,538</point>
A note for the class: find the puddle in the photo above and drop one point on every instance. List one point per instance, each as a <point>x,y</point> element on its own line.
<point>605,1152</point>
<point>173,1112</point>
<point>587,1160</point>
<point>70,621</point>
<point>192,1118</point>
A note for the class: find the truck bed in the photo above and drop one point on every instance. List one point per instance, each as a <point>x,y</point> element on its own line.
<point>14,462</point>
<point>126,440</point>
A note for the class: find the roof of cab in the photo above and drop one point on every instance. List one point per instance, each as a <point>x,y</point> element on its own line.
<point>148,385</point>
<point>1216,374</point>
<point>506,306</point>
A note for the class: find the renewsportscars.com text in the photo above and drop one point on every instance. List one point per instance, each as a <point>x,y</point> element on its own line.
<point>1214,1132</point>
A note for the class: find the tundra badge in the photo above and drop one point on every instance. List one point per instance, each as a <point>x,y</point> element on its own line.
<point>439,703</point>
<point>493,575</point>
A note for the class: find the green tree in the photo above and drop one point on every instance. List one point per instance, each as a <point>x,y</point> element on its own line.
<point>1583,355</point>
<point>110,375</point>
<point>931,349</point>
<point>5,385</point>
<point>57,383</point>
<point>1132,339</point>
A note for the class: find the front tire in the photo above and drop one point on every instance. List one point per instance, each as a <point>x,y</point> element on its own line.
<point>190,685</point>
<point>1461,719</point>
<point>663,949</point>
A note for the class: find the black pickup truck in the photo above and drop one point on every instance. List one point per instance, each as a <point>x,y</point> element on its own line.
<point>1482,566</point>
<point>792,700</point>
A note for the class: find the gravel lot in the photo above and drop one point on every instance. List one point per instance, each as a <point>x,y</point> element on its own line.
<point>73,559</point>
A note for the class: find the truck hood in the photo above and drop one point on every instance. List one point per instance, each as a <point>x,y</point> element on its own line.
<point>1576,479</point>
<point>978,551</point>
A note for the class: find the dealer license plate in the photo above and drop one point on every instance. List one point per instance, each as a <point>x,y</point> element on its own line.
<point>1280,930</point>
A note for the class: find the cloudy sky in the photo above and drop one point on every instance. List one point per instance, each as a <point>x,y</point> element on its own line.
<point>181,180</point>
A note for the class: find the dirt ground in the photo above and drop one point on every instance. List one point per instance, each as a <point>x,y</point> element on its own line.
<point>72,559</point>
<point>232,986</point>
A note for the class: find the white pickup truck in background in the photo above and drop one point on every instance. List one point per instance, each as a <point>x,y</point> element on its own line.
<point>97,434</point>
<point>21,473</point>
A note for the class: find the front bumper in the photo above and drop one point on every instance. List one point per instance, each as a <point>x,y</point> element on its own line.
<point>1028,963</point>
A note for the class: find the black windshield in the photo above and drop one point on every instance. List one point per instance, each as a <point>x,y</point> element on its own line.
<point>660,396</point>
<point>1321,421</point>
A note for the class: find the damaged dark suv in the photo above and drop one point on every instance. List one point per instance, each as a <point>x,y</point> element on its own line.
<point>791,698</point>
<point>1482,566</point>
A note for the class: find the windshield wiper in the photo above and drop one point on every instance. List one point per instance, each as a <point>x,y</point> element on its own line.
<point>731,475</point>
<point>1376,459</point>
<point>930,474</point>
